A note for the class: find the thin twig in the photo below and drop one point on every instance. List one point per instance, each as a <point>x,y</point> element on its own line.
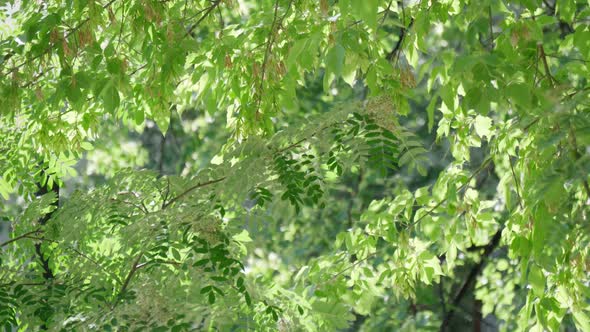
<point>353,196</point>
<point>491,28</point>
<point>563,57</point>
<point>22,236</point>
<point>165,197</point>
<point>162,149</point>
<point>543,58</point>
<point>536,69</point>
<point>189,190</point>
<point>386,11</point>
<point>207,12</point>
<point>356,263</point>
<point>516,185</point>
<point>158,262</point>
<point>122,25</point>
<point>293,145</point>
<point>276,22</point>
<point>552,8</point>
<point>8,284</point>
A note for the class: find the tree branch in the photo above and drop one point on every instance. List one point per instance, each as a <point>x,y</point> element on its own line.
<point>81,254</point>
<point>441,296</point>
<point>134,269</point>
<point>48,273</point>
<point>473,273</point>
<point>402,35</point>
<point>189,190</point>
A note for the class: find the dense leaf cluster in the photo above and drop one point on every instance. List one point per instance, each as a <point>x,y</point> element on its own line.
<point>294,165</point>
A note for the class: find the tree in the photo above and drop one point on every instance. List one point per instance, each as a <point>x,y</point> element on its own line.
<point>273,165</point>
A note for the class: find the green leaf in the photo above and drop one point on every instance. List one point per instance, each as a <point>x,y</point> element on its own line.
<point>161,116</point>
<point>175,253</point>
<point>482,126</point>
<point>110,98</point>
<point>243,236</point>
<point>86,146</point>
<point>300,309</point>
<point>296,52</point>
<point>520,94</point>
<point>430,112</point>
<point>5,188</point>
<point>335,59</point>
<point>201,262</point>
<point>211,297</point>
<point>541,227</point>
<point>537,280</point>
<point>367,11</point>
<point>566,10</point>
<point>581,319</point>
<point>248,299</point>
<point>334,65</point>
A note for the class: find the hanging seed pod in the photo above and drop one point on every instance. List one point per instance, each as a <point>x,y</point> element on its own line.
<point>381,109</point>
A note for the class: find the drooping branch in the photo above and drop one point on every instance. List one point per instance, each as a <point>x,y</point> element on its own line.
<point>276,23</point>
<point>50,47</point>
<point>483,166</point>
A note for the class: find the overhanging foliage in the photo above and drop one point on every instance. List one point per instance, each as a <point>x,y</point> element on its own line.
<point>362,165</point>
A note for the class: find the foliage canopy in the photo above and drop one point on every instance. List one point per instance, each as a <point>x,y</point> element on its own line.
<point>295,165</point>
